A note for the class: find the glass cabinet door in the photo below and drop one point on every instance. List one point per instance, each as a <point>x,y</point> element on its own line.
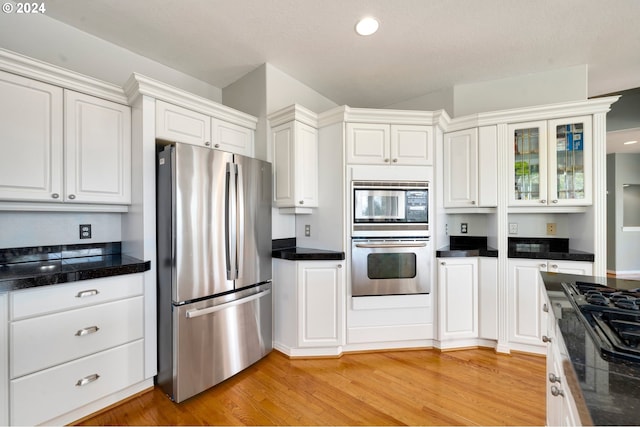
<point>570,161</point>
<point>529,160</point>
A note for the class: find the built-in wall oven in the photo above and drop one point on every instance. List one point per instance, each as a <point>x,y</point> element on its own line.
<point>390,251</point>
<point>390,266</point>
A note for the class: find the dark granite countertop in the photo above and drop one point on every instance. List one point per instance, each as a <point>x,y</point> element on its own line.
<point>610,389</point>
<point>22,268</point>
<point>546,248</point>
<point>467,246</point>
<point>287,249</point>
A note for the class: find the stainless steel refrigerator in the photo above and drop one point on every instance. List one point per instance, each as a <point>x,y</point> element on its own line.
<point>214,266</point>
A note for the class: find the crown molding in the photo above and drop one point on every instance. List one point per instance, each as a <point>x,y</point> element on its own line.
<point>47,73</point>
<point>540,112</point>
<point>139,85</point>
<point>293,112</point>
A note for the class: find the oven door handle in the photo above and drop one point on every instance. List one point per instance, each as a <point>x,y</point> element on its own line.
<point>390,245</point>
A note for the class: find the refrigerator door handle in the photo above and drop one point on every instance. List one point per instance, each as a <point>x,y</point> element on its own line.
<point>204,311</point>
<point>240,230</point>
<point>231,238</point>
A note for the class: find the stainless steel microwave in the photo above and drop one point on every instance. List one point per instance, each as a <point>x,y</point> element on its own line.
<point>390,208</point>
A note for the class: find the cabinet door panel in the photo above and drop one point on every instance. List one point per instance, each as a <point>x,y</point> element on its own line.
<point>411,145</point>
<point>458,290</point>
<point>368,143</point>
<point>525,284</point>
<point>460,169</point>
<point>570,161</point>
<point>60,389</point>
<point>179,124</point>
<point>97,150</point>
<point>306,147</point>
<point>30,140</point>
<point>46,341</point>
<point>231,137</point>
<point>283,167</point>
<point>528,159</point>
<point>320,301</point>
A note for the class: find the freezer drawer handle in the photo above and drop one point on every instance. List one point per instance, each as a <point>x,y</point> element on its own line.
<point>89,293</point>
<point>87,380</point>
<point>391,245</point>
<point>204,311</point>
<point>87,331</point>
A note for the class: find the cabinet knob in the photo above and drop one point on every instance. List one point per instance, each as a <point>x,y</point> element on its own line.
<point>301,202</point>
<point>217,146</point>
<point>554,265</point>
<point>543,265</point>
<point>443,263</point>
<point>554,201</point>
<point>339,265</point>
<point>473,202</point>
<point>555,391</point>
<point>207,143</point>
<point>546,338</point>
<point>72,196</point>
<point>543,201</point>
<point>545,308</point>
<point>386,160</point>
<point>395,160</point>
<point>55,195</point>
<point>553,378</point>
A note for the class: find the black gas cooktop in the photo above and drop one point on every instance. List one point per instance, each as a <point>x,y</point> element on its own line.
<point>612,317</point>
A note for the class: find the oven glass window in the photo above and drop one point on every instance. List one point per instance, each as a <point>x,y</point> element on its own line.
<point>391,266</point>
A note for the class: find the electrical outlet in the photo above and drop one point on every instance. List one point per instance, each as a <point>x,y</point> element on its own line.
<point>464,227</point>
<point>307,230</point>
<point>513,228</point>
<point>85,231</point>
<point>551,228</point>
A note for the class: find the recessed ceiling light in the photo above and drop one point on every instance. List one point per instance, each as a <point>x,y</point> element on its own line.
<point>630,142</point>
<point>367,26</point>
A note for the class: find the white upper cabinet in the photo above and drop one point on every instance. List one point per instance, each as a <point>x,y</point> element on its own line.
<point>97,150</point>
<point>31,140</point>
<point>295,166</point>
<point>89,162</point>
<point>470,168</point>
<point>551,163</point>
<point>382,144</point>
<point>175,123</point>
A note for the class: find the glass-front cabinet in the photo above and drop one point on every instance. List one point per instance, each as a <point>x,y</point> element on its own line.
<point>551,162</point>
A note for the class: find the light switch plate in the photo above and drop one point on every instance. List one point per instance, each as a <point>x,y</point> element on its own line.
<point>513,228</point>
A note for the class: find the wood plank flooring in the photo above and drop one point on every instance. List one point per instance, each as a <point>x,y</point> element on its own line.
<point>420,387</point>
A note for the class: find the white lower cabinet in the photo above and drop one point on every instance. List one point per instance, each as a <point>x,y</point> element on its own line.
<point>561,406</point>
<point>50,393</point>
<point>72,344</point>
<point>526,298</point>
<point>458,298</point>
<point>309,298</point>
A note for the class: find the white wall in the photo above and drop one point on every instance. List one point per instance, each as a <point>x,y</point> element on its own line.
<point>261,92</point>
<point>624,169</point>
<point>567,84</point>
<point>25,229</point>
<point>41,37</point>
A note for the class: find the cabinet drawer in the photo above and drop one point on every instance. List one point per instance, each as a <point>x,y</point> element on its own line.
<point>45,341</point>
<point>49,299</point>
<point>48,394</point>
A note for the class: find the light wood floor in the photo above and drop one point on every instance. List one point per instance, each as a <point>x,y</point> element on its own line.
<point>421,387</point>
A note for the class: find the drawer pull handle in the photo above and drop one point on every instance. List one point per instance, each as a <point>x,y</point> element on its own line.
<point>89,293</point>
<point>87,380</point>
<point>87,331</point>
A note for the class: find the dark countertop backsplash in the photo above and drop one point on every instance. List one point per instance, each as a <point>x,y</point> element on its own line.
<point>287,249</point>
